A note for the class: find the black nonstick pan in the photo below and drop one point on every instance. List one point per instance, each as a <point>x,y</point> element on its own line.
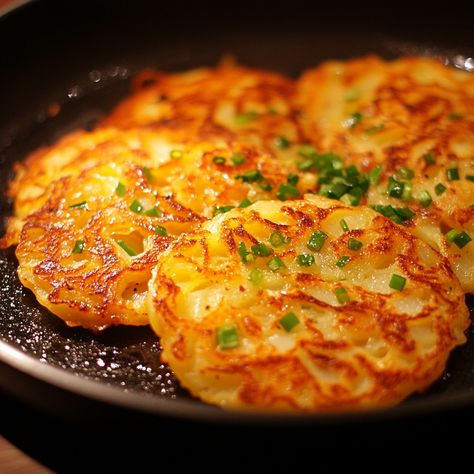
<point>81,56</point>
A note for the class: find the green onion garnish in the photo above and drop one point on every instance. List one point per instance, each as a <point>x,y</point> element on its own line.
<point>354,119</point>
<point>452,174</point>
<point>78,205</point>
<point>405,173</point>
<point>136,207</point>
<point>275,264</point>
<point>287,190</point>
<point>439,189</point>
<point>375,129</point>
<point>426,199</point>
<point>470,177</point>
<point>342,262</point>
<point>78,246</point>
<point>265,185</point>
<point>316,240</point>
<point>176,154</point>
<point>429,159</point>
<point>222,209</point>
<point>127,248</point>
<point>397,282</point>
<point>354,244</point>
<point>289,321</point>
<point>307,151</point>
<point>396,214</point>
<point>121,189</point>
<point>407,190</point>
<point>277,239</point>
<point>261,250</point>
<point>227,336</point>
<point>256,276</point>
<point>374,175</point>
<point>292,179</point>
<point>160,230</point>
<point>148,174</point>
<point>238,158</point>
<point>153,212</point>
<point>461,239</point>
<point>395,188</point>
<point>218,160</point>
<point>344,225</point>
<point>247,117</point>
<point>305,260</point>
<point>282,142</point>
<point>342,296</point>
<point>250,176</point>
<point>246,202</point>
<point>245,255</point>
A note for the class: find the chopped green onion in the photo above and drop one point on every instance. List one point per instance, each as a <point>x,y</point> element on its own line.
<point>245,255</point>
<point>265,185</point>
<point>136,207</point>
<point>148,174</point>
<point>250,176</point>
<point>153,212</point>
<point>429,159</point>
<point>344,225</point>
<point>451,235</point>
<point>354,244</point>
<point>397,282</point>
<point>307,151</point>
<point>439,189</point>
<point>277,239</point>
<point>176,154</point>
<point>238,158</point>
<point>127,248</point>
<point>455,116</point>
<point>121,189</point>
<point>470,177</point>
<point>246,202</point>
<point>292,179</point>
<point>282,142</point>
<point>404,213</point>
<point>375,129</point>
<point>452,174</point>
<point>78,205</point>
<point>275,264</point>
<point>289,321</point>
<point>160,230</point>
<point>405,173</point>
<point>286,190</point>
<point>395,188</point>
<point>245,118</point>
<point>426,199</point>
<point>342,262</point>
<point>354,119</point>
<point>222,209</point>
<point>462,239</point>
<point>227,336</point>
<point>256,276</point>
<point>261,250</point>
<point>342,296</point>
<point>78,246</point>
<point>333,191</point>
<point>396,214</point>
<point>374,175</point>
<point>305,165</point>
<point>218,160</point>
<point>407,190</point>
<point>305,260</point>
<point>316,240</point>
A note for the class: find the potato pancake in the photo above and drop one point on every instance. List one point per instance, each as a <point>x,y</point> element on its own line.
<point>306,305</point>
<point>412,122</point>
<point>87,255</point>
<point>121,204</point>
<point>227,103</point>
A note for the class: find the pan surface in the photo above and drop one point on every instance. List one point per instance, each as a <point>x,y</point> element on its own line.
<point>81,56</point>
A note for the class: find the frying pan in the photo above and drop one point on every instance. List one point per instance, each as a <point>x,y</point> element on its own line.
<point>81,56</point>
